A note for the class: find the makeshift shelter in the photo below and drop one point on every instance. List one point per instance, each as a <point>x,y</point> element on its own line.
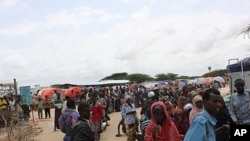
<point>73,92</point>
<point>48,92</point>
<point>240,69</point>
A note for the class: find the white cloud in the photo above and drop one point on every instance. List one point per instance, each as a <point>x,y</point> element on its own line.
<point>84,43</point>
<point>7,3</point>
<point>12,4</point>
<point>141,14</point>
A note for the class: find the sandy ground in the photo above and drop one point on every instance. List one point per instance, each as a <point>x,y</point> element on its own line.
<point>48,134</point>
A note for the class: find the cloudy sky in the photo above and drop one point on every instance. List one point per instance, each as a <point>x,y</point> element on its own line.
<point>43,42</point>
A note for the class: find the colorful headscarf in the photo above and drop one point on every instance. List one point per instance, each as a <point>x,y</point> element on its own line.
<point>182,125</point>
<point>168,132</point>
<point>195,110</point>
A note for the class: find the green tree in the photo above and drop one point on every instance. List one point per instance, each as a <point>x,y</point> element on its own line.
<point>168,76</point>
<point>172,76</point>
<point>116,76</point>
<point>214,73</point>
<point>183,77</point>
<point>139,78</point>
<point>161,77</point>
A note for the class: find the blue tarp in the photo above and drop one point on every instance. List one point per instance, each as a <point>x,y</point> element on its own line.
<point>236,67</point>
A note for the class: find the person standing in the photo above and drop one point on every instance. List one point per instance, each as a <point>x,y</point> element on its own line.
<point>40,108</point>
<point>240,104</point>
<point>67,119</point>
<point>145,110</point>
<point>47,107</point>
<point>82,131</point>
<point>12,104</point>
<point>223,119</point>
<point>128,112</point>
<point>161,127</point>
<point>57,103</point>
<point>116,101</point>
<point>96,117</point>
<point>204,123</point>
<point>18,106</point>
<point>181,121</point>
<point>104,105</point>
<point>196,108</point>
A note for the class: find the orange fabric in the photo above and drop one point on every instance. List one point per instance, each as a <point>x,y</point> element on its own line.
<point>48,92</point>
<point>73,92</point>
<point>168,132</point>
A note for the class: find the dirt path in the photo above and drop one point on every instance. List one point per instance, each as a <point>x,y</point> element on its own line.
<point>49,134</point>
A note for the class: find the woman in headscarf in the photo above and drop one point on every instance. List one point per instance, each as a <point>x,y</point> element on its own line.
<point>181,121</point>
<point>161,127</point>
<point>197,107</point>
<point>128,112</point>
<point>223,120</point>
<point>182,101</point>
<point>170,108</point>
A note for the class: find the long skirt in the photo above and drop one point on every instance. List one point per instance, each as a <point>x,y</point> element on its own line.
<point>131,131</point>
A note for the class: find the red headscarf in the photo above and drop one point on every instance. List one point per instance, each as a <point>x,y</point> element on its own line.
<point>182,125</point>
<point>168,132</point>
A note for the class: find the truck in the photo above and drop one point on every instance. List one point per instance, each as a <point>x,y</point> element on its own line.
<point>238,69</point>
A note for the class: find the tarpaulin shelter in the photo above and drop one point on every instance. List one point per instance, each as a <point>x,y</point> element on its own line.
<point>73,92</point>
<point>48,92</point>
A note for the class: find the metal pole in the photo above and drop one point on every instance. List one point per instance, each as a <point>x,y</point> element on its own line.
<point>242,70</point>
<point>229,75</point>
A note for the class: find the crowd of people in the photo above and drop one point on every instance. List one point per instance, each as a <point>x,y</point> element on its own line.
<point>167,112</point>
<point>12,104</point>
